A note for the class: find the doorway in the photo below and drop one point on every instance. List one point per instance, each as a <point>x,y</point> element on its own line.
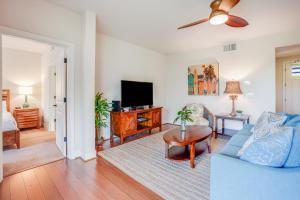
<point>34,91</point>
<point>288,79</point>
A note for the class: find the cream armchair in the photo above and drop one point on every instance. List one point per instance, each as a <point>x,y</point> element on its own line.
<point>200,115</point>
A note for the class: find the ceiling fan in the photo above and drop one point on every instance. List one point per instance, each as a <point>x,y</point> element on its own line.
<point>220,15</point>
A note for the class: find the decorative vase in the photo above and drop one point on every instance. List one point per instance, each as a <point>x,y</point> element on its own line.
<point>183,126</point>
<point>183,130</point>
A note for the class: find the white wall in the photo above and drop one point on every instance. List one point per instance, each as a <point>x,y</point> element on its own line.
<point>21,68</point>
<point>56,24</point>
<point>117,60</point>
<point>254,61</point>
<point>88,87</point>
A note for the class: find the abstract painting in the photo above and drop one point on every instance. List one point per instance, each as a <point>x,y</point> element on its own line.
<point>203,80</point>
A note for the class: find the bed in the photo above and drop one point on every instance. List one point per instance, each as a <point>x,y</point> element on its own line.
<point>11,133</point>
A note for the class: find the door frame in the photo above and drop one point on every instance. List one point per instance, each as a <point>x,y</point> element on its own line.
<point>71,84</point>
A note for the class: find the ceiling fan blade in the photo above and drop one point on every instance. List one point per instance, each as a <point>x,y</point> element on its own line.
<point>226,5</point>
<point>194,23</point>
<point>235,21</point>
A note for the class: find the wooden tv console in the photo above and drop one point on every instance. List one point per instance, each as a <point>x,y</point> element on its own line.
<point>124,124</point>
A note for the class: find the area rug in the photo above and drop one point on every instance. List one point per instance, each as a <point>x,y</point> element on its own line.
<point>144,160</point>
<point>16,160</point>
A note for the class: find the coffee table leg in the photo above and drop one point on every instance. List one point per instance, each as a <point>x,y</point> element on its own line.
<point>166,150</point>
<point>192,155</point>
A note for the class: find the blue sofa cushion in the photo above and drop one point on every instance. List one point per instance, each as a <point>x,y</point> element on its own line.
<point>247,130</point>
<point>294,157</point>
<point>292,120</point>
<point>238,140</point>
<point>270,151</point>
<point>230,150</point>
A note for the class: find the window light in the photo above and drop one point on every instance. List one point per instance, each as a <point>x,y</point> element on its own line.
<point>296,69</point>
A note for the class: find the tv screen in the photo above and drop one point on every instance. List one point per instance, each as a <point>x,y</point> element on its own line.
<point>135,94</point>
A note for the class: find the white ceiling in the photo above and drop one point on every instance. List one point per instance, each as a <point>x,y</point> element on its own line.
<point>22,44</point>
<point>152,23</point>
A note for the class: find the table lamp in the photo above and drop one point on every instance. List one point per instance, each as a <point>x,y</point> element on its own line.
<point>25,91</point>
<point>233,89</point>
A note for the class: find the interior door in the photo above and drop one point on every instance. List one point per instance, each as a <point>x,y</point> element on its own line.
<point>52,96</point>
<point>292,90</point>
<point>61,72</point>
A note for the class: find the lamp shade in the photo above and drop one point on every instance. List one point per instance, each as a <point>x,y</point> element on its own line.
<point>25,90</point>
<point>233,87</point>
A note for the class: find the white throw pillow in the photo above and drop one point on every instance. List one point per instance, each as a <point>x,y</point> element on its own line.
<point>266,124</point>
<point>200,121</point>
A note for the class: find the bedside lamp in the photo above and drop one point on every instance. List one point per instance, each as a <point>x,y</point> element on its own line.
<point>25,91</point>
<point>233,89</point>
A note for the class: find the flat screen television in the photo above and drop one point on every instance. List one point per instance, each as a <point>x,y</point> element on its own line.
<point>135,94</point>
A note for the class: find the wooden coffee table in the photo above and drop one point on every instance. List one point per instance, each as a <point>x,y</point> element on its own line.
<point>187,147</point>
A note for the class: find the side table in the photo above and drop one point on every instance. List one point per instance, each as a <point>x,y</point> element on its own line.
<point>243,118</point>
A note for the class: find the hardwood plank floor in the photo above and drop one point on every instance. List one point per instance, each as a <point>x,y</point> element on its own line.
<point>76,179</point>
<point>107,144</point>
<point>31,137</point>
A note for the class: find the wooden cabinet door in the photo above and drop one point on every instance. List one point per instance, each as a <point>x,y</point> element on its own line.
<point>156,118</point>
<point>129,122</point>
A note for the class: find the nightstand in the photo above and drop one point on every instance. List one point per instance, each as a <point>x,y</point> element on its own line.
<point>27,117</point>
<point>240,117</point>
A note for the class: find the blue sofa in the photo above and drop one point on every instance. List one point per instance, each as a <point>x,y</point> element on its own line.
<point>235,179</point>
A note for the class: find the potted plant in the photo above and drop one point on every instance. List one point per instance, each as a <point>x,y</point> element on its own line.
<point>183,116</point>
<point>239,112</point>
<point>102,109</point>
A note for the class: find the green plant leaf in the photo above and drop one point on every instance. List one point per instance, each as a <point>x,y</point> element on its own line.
<point>102,110</point>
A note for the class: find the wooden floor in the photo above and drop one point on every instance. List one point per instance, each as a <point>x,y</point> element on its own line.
<point>36,136</point>
<point>31,137</point>
<point>76,179</point>
<point>107,144</point>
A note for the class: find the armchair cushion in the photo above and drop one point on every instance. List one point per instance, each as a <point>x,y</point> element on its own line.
<point>197,110</point>
<point>197,115</point>
<point>200,115</point>
<point>199,121</point>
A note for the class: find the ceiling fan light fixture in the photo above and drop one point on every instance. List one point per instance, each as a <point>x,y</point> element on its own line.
<point>218,17</point>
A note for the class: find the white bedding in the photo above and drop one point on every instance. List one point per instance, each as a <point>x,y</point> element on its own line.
<point>8,122</point>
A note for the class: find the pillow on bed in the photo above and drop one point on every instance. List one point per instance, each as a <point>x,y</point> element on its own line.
<point>4,109</point>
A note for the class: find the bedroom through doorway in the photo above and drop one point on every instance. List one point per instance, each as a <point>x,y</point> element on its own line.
<point>33,103</point>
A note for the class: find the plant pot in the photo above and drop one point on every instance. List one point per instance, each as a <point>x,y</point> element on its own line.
<point>99,138</point>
